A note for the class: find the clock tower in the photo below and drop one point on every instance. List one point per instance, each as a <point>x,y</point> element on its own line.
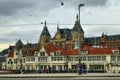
<point>44,37</point>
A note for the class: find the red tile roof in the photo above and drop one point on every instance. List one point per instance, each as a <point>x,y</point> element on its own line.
<point>29,52</point>
<point>11,53</point>
<point>97,51</point>
<point>86,48</point>
<point>100,51</point>
<point>73,52</point>
<point>91,50</point>
<point>62,50</point>
<point>50,48</point>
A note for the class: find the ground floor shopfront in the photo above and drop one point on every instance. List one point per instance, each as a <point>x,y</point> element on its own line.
<point>93,63</point>
<point>63,67</point>
<point>70,68</point>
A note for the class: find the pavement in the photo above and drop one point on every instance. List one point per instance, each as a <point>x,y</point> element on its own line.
<point>59,75</point>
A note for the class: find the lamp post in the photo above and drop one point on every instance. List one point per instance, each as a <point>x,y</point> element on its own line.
<point>79,45</point>
<point>79,6</point>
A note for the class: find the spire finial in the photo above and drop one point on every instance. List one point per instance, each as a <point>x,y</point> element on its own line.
<point>102,33</point>
<point>27,42</point>
<point>57,27</point>
<point>77,17</point>
<point>45,22</point>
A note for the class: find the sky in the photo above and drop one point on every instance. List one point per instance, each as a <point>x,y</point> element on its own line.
<point>21,19</point>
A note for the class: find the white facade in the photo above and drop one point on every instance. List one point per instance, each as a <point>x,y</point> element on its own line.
<point>41,60</point>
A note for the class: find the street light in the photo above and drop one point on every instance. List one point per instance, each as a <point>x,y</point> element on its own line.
<point>79,6</point>
<point>79,46</point>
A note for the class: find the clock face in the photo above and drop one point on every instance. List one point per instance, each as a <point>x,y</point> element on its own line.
<point>58,36</point>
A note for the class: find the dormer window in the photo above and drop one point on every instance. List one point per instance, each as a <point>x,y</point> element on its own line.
<point>36,53</point>
<point>116,52</point>
<point>17,54</point>
<point>57,53</point>
<point>42,53</point>
<point>83,52</point>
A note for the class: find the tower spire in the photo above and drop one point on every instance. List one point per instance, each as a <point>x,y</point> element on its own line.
<point>77,17</point>
<point>57,27</point>
<point>45,23</point>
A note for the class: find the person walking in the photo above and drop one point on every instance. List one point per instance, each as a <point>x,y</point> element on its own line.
<point>46,70</point>
<point>80,69</point>
<point>84,68</point>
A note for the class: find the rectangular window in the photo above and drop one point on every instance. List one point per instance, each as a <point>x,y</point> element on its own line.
<point>10,59</point>
<point>118,58</point>
<point>76,58</point>
<point>103,58</point>
<point>116,52</point>
<point>113,58</point>
<point>83,52</point>
<point>23,60</point>
<point>89,58</point>
<point>57,53</point>
<point>83,58</point>
<point>42,53</point>
<point>15,61</point>
<point>28,59</point>
<point>16,53</point>
<point>36,53</point>
<point>44,59</point>
<point>70,58</point>
<point>32,58</point>
<point>96,58</point>
<point>57,58</point>
<point>54,68</point>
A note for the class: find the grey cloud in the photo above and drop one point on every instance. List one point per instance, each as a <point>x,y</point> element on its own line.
<point>31,34</point>
<point>94,2</point>
<point>97,30</point>
<point>38,7</point>
<point>10,7</point>
<point>14,11</point>
<point>87,3</point>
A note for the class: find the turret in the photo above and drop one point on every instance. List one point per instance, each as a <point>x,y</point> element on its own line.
<point>77,29</point>
<point>45,36</point>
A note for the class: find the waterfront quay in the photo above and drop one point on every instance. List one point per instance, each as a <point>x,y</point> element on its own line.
<point>61,76</point>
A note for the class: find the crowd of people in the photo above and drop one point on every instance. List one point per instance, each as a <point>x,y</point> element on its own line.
<point>47,70</point>
<point>81,68</point>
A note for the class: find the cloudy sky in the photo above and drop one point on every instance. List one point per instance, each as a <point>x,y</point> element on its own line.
<point>21,19</point>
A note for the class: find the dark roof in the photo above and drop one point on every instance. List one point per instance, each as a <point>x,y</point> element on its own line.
<point>113,37</point>
<point>19,43</point>
<point>108,37</point>
<point>4,52</point>
<point>92,39</point>
<point>77,26</point>
<point>2,59</point>
<point>45,31</point>
<point>66,33</point>
<point>30,45</point>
